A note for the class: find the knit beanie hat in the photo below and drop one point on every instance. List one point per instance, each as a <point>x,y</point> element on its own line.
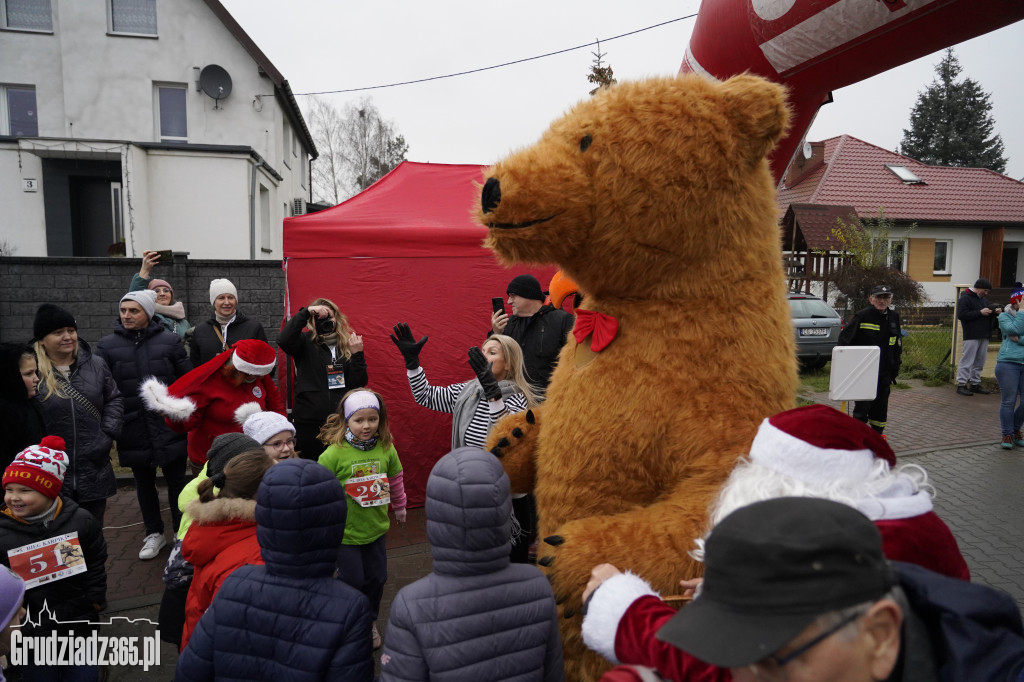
<point>252,356</point>
<point>819,443</point>
<point>982,283</point>
<point>12,592</point>
<point>1017,295</point>
<point>40,467</point>
<point>145,298</point>
<point>221,286</point>
<point>526,286</point>
<point>262,426</point>
<point>49,318</point>
<point>225,447</point>
<point>154,283</point>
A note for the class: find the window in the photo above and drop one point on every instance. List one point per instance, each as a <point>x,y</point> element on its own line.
<point>26,15</point>
<point>136,17</point>
<point>904,174</point>
<point>898,254</point>
<point>18,115</point>
<point>172,122</point>
<point>943,248</point>
<point>286,142</point>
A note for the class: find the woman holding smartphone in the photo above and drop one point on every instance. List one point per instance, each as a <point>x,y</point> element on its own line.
<point>170,313</point>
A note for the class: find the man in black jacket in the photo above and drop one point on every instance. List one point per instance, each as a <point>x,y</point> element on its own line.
<point>877,325</point>
<point>539,329</point>
<point>141,347</point>
<point>975,314</point>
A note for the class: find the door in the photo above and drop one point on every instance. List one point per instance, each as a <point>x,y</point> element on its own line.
<point>1008,274</point>
<point>91,216</point>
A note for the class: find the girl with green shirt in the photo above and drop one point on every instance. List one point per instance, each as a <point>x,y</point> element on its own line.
<point>362,456</point>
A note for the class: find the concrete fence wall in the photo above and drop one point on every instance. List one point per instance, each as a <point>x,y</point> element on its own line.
<point>91,287</point>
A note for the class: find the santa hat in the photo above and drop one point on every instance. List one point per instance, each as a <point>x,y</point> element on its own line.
<point>255,357</point>
<point>40,467</point>
<point>249,356</point>
<point>818,443</point>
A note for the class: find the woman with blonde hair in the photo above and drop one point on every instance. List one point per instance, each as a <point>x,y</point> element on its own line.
<point>80,403</point>
<point>500,388</point>
<point>329,362</point>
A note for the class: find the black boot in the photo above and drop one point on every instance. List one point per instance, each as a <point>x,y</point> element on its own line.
<point>963,390</point>
<point>976,388</point>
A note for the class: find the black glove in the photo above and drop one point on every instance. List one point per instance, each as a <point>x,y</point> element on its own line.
<point>483,372</point>
<point>408,345</point>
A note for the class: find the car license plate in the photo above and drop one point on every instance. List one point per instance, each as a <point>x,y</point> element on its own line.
<point>814,331</point>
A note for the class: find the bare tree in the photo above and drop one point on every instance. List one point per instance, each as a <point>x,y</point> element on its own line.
<point>328,173</point>
<point>372,146</point>
<point>601,75</point>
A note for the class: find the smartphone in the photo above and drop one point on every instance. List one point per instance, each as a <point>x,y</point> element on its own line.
<point>166,257</point>
<point>498,304</point>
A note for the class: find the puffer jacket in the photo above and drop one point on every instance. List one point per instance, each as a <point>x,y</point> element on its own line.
<point>204,344</point>
<point>77,597</point>
<point>89,475</point>
<point>541,336</point>
<point>437,629</point>
<point>21,421</point>
<point>222,538</point>
<point>292,603</point>
<point>134,356</point>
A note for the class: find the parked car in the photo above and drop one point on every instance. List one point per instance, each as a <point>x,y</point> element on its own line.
<point>816,326</point>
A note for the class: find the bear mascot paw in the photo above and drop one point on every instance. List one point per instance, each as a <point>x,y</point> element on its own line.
<point>655,197</point>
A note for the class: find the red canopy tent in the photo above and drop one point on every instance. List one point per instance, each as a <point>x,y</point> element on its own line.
<point>405,250</point>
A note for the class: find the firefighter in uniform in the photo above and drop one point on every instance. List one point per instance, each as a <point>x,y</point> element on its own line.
<point>877,325</point>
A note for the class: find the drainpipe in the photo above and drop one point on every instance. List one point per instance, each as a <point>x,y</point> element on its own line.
<point>252,207</point>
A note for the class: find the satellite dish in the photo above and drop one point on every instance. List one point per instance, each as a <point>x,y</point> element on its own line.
<point>215,82</point>
<point>808,151</point>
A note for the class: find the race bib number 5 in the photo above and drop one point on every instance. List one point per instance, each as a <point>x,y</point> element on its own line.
<point>369,491</point>
<point>48,560</point>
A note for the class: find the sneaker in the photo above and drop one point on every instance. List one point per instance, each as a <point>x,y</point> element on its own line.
<point>976,388</point>
<point>1018,438</point>
<point>152,545</point>
<point>963,390</point>
<point>1007,443</point>
<point>377,641</point>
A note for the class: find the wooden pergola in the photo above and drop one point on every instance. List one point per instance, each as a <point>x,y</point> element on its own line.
<point>810,252</point>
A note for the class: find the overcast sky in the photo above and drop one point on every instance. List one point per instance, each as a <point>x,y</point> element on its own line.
<point>479,118</point>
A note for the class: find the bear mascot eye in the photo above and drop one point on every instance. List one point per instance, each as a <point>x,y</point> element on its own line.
<point>585,142</point>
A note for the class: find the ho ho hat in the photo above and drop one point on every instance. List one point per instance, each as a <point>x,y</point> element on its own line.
<point>526,286</point>
<point>882,290</point>
<point>773,567</point>
<point>982,283</point>
<point>40,467</point>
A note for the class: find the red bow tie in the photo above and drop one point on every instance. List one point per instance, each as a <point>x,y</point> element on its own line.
<point>603,327</point>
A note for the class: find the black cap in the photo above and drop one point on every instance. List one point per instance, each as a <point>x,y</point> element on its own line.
<point>226,447</point>
<point>526,286</point>
<point>50,318</point>
<point>773,567</point>
<point>882,289</point>
<point>982,283</point>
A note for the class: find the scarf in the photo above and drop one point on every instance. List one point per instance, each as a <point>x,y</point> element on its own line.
<point>465,407</point>
<point>364,445</point>
<point>329,339</point>
<point>175,311</point>
<point>224,321</point>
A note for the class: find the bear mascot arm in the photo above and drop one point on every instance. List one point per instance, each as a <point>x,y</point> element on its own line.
<point>656,199</point>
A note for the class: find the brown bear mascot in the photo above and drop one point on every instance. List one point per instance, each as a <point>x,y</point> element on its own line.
<point>656,198</point>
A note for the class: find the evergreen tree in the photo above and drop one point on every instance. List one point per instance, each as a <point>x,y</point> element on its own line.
<point>599,74</point>
<point>951,124</point>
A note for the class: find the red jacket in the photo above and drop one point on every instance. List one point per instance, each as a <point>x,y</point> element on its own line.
<point>222,537</point>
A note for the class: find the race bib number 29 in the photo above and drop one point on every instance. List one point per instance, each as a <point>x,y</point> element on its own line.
<point>48,560</point>
<point>369,491</point>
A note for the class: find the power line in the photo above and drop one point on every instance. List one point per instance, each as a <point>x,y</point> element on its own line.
<point>496,66</point>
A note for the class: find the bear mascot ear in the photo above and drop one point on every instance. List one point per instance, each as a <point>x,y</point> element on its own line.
<point>758,112</point>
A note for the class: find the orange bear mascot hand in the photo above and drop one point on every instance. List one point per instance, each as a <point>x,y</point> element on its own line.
<point>656,198</point>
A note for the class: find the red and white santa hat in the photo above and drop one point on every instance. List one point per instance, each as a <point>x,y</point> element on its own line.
<point>40,467</point>
<point>818,443</point>
<point>255,357</point>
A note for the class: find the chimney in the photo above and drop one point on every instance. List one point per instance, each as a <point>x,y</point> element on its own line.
<point>803,165</point>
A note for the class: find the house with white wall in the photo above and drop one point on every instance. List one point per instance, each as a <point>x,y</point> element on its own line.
<point>143,124</point>
<point>950,225</point>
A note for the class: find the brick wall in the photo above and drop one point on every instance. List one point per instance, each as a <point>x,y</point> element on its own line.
<point>91,287</point>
